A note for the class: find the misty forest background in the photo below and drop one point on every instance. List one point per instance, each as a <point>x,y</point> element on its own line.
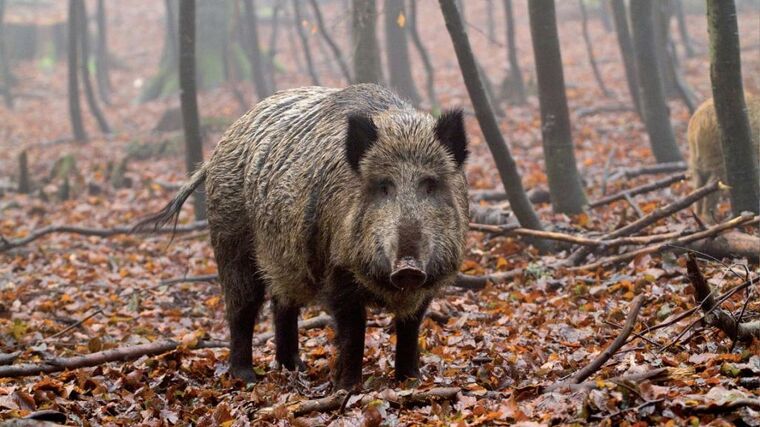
<point>593,290</point>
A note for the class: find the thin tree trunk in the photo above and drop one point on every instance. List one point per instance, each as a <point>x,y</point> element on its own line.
<point>330,42</point>
<point>730,107</point>
<point>565,187</point>
<point>429,70</point>
<point>626,52</point>
<point>397,51</point>
<point>254,50</point>
<point>101,57</point>
<point>515,74</point>
<point>490,24</point>
<point>92,102</point>
<point>6,70</point>
<point>189,99</point>
<point>682,87</point>
<point>75,110</point>
<point>272,46</point>
<point>590,50</point>
<point>505,164</point>
<point>682,28</point>
<point>604,15</point>
<point>656,113</point>
<point>304,43</point>
<point>367,64</point>
<point>293,46</point>
<point>661,20</point>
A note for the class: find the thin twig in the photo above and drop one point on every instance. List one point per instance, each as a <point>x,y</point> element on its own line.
<point>74,325</point>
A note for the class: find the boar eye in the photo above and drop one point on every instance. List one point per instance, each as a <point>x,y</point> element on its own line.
<point>384,188</point>
<point>428,185</point>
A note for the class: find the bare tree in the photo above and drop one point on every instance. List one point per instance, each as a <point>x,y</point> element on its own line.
<point>505,164</point>
<point>397,52</point>
<point>75,110</point>
<point>682,28</point>
<point>417,41</point>
<point>514,85</point>
<point>189,99</point>
<point>565,186</point>
<point>102,64</point>
<point>272,47</point>
<point>254,50</point>
<point>730,106</point>
<point>304,42</point>
<point>626,52</point>
<point>330,42</point>
<point>367,65</point>
<point>89,92</point>
<point>590,49</point>
<point>656,113</point>
<point>5,66</point>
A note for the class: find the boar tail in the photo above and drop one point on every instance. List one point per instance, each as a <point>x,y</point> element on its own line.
<point>170,213</point>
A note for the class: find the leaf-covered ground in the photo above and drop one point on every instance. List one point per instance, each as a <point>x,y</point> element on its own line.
<point>501,345</point>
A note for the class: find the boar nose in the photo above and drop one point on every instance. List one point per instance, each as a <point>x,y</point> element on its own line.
<point>407,273</point>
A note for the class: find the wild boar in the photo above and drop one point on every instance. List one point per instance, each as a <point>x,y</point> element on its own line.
<point>706,152</point>
<point>347,198</point>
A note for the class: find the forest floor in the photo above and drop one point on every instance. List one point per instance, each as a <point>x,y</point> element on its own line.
<point>502,346</point>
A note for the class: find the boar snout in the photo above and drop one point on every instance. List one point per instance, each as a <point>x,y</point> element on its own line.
<point>407,273</point>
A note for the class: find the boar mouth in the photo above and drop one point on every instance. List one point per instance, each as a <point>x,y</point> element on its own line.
<point>407,274</point>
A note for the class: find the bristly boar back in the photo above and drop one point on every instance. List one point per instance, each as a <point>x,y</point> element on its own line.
<point>342,197</point>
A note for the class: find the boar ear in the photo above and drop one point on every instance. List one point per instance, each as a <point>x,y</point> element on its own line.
<point>362,133</point>
<point>450,132</point>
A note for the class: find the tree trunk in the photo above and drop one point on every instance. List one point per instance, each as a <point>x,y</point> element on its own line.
<point>304,42</point>
<point>101,56</point>
<point>330,42</point>
<point>590,50</point>
<point>397,52</point>
<point>682,29</point>
<point>367,64</point>
<point>272,47</point>
<point>564,181</point>
<point>516,84</point>
<point>189,100</point>
<point>84,39</point>
<point>5,66</point>
<point>75,110</point>
<point>626,52</point>
<point>730,106</point>
<point>505,164</point>
<point>656,113</point>
<point>661,21</point>
<point>24,183</point>
<point>417,41</point>
<point>254,51</point>
<point>682,87</point>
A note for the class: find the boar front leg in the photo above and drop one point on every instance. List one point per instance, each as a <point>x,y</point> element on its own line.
<point>407,347</point>
<point>286,335</point>
<point>348,310</point>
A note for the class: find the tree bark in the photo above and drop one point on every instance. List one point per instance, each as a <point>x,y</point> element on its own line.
<point>567,194</point>
<point>730,107</point>
<point>515,74</point>
<point>682,29</point>
<point>254,51</point>
<point>626,52</point>
<point>272,47</point>
<point>656,113</point>
<point>661,20</point>
<point>75,109</point>
<point>505,164</point>
<point>189,99</point>
<point>330,42</point>
<point>397,52</point>
<point>417,41</point>
<point>102,65</point>
<point>84,44</point>
<point>6,69</point>
<point>367,64</point>
<point>590,50</point>
<point>304,42</point>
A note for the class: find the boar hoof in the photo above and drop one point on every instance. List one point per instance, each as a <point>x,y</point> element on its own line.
<point>243,373</point>
<point>295,365</point>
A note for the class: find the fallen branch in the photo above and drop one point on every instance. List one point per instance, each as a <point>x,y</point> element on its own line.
<point>622,337</point>
<point>650,169</point>
<point>400,398</point>
<point>536,195</point>
<point>646,188</point>
<point>645,221</point>
<point>654,376</point>
<point>730,244</point>
<point>746,219</point>
<point>132,352</point>
<point>6,244</point>
<point>714,315</point>
<point>621,108</point>
<point>476,283</point>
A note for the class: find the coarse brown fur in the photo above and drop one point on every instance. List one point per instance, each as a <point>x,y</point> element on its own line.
<point>706,152</point>
<point>320,195</point>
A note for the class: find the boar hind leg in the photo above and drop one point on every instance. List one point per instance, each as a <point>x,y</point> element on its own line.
<point>286,335</point>
<point>347,308</point>
<point>407,337</point>
<point>243,295</point>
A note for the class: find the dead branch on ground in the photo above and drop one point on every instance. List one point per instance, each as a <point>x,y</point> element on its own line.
<point>646,188</point>
<point>668,167</point>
